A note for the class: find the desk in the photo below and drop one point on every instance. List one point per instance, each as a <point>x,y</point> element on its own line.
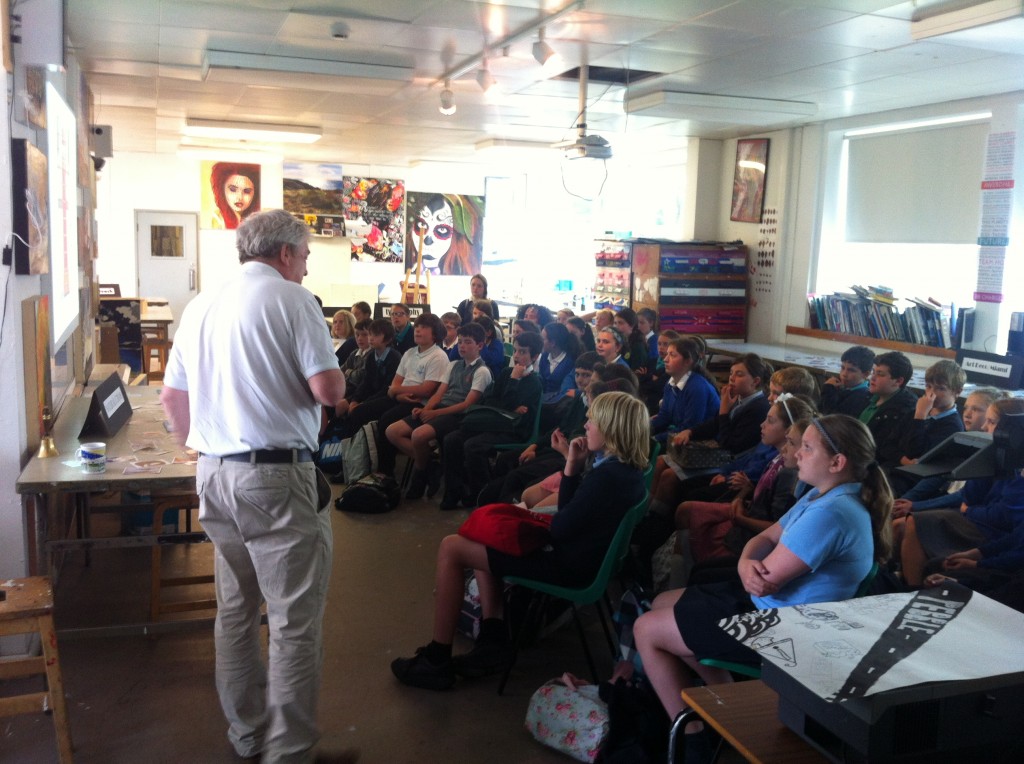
<point>746,715</point>
<point>156,314</point>
<point>48,519</point>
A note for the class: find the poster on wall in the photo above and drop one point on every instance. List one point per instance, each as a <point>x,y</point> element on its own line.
<point>31,216</point>
<point>375,218</point>
<point>35,96</point>
<point>451,227</point>
<point>229,193</point>
<point>748,180</point>
<point>62,155</point>
<point>313,192</point>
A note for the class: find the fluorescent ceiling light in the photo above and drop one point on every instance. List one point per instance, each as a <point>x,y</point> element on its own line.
<point>223,59</point>
<point>489,144</point>
<point>733,109</point>
<point>250,131</point>
<point>956,17</point>
<point>919,124</point>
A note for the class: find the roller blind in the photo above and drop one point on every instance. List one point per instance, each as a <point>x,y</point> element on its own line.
<point>921,186</point>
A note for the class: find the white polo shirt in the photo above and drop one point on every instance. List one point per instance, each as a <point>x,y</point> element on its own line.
<point>243,353</point>
<point>416,367</point>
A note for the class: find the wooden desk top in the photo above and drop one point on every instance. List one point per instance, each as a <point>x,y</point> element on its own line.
<point>746,715</point>
<point>156,313</point>
<point>52,475</point>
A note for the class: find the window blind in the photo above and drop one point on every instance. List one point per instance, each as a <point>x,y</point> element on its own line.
<point>921,186</point>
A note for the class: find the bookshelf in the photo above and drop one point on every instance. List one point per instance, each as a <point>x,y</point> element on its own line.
<point>855,339</point>
<point>695,287</point>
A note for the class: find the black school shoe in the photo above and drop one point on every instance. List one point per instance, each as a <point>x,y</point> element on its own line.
<point>420,672</point>
<point>417,486</point>
<point>434,474</point>
<point>485,659</point>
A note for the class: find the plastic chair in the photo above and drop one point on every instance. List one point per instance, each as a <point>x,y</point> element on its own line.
<point>652,458</point>
<point>592,594</point>
<point>534,435</point>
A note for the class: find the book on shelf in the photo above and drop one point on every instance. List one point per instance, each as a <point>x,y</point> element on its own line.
<point>862,313</point>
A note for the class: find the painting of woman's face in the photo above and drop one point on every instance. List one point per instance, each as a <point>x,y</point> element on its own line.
<point>436,223</point>
<point>239,191</point>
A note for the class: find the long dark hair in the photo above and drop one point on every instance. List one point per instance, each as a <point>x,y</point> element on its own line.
<point>693,351</point>
<point>588,333</point>
<point>757,367</point>
<point>564,340</point>
<point>635,335</point>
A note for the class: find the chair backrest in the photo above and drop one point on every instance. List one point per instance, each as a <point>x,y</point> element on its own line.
<point>865,585</point>
<point>652,458</point>
<point>617,551</point>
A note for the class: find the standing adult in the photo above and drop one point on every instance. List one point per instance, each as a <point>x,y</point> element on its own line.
<point>478,291</point>
<point>252,363</point>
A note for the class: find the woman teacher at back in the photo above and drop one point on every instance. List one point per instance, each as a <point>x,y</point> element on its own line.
<point>478,290</point>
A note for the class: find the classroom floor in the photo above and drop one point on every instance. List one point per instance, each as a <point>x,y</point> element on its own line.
<point>152,699</point>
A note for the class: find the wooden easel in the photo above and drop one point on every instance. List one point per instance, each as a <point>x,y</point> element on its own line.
<point>414,294</point>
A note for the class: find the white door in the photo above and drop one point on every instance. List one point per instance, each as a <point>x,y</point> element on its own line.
<point>167,258</point>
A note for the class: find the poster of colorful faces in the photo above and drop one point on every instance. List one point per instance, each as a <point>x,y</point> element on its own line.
<point>451,229</point>
<point>374,211</point>
<point>230,192</point>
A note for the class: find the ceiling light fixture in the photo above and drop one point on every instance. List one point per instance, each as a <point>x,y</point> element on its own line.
<point>485,79</point>
<point>542,52</point>
<point>447,106</point>
<point>251,131</point>
<point>946,18</point>
<point>215,61</point>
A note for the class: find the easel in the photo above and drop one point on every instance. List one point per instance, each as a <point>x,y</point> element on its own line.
<point>414,294</point>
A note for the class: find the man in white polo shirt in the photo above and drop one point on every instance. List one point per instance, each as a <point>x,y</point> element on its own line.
<point>251,364</point>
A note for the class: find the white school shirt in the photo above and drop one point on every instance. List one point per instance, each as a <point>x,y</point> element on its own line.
<point>416,367</point>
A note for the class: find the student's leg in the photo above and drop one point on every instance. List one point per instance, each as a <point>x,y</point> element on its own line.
<point>551,500</point>
<point>454,556</point>
<point>535,494</point>
<point>385,451</point>
<point>912,555</point>
<point>400,435</point>
<point>452,451</point>
<point>422,448</point>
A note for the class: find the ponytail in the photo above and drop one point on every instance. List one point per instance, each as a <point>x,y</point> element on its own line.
<point>693,348</point>
<point>854,441</point>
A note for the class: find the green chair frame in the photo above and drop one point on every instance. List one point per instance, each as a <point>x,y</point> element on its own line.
<point>534,435</point>
<point>592,594</point>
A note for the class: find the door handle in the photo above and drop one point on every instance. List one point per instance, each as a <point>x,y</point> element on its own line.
<point>191,279</point>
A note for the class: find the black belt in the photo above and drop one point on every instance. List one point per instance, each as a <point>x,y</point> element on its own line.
<point>269,456</point>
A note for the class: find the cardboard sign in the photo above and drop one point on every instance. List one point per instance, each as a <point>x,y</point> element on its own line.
<point>1002,371</point>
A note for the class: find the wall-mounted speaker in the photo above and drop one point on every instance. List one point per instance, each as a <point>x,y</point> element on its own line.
<point>101,140</point>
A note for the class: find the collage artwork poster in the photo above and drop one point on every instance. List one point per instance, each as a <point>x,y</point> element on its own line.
<point>451,228</point>
<point>374,211</point>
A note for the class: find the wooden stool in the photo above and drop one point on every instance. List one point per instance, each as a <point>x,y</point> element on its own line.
<point>162,503</point>
<point>154,341</point>
<point>29,608</point>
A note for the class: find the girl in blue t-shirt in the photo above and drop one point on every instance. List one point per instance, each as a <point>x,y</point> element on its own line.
<point>819,551</point>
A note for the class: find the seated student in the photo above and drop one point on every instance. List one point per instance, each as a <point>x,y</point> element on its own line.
<point>647,323</point>
<point>450,345</point>
<point>635,348</point>
<point>494,349</point>
<point>991,511</point>
<point>521,325</point>
<point>420,372</point>
<point>343,327</point>
<point>464,453</point>
<point>689,396</point>
<point>483,308</point>
<point>583,333</point>
<point>540,315</point>
<point>361,311</point>
<point>354,366</point>
<point>404,339</point>
<point>848,393</point>
<point>890,406</point>
<point>938,493</point>
<point>652,380</point>
<point>468,380</point>
<point>513,471</point>
<point>935,418</point>
<point>721,529</point>
<point>611,344</point>
<point>795,381</point>
<point>557,361</point>
<point>819,551</point>
<point>378,371</point>
<point>603,319</point>
<point>590,510</point>
<point>563,315</point>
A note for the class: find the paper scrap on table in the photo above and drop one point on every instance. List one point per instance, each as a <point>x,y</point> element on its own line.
<point>150,463</point>
<point>132,469</point>
<point>184,460</point>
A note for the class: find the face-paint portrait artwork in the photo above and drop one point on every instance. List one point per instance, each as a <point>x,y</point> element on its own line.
<point>230,193</point>
<point>374,210</point>
<point>451,226</point>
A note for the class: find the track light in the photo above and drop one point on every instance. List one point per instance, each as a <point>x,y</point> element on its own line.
<point>541,50</point>
<point>485,79</point>
<point>447,106</point>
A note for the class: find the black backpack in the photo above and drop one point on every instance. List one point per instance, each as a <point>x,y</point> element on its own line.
<point>374,494</point>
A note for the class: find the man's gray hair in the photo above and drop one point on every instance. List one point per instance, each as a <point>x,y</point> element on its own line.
<point>261,235</point>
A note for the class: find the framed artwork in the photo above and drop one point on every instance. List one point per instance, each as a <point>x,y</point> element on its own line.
<point>30,186</point>
<point>748,180</point>
<point>35,96</point>
<point>229,192</point>
<point>451,227</point>
<point>313,188</point>
<point>375,218</point>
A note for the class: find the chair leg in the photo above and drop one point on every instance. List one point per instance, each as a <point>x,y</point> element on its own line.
<point>612,647</point>
<point>586,648</point>
<point>532,616</point>
<point>674,734</point>
<point>55,688</point>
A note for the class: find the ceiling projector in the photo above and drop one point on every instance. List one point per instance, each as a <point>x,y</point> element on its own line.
<point>587,147</point>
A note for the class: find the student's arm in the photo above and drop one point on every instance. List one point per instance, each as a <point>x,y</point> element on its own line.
<point>434,400</point>
<point>456,408</point>
<point>767,565</point>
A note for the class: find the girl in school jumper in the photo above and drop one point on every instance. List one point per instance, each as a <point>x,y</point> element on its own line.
<point>583,333</point>
<point>611,344</point>
<point>720,529</point>
<point>689,396</point>
<point>589,512</point>
<point>635,349</point>
<point>494,349</point>
<point>557,362</point>
<point>819,551</point>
